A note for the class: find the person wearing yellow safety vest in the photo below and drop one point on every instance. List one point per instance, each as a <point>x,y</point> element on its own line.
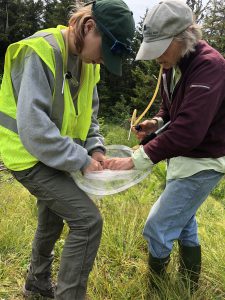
<point>49,130</point>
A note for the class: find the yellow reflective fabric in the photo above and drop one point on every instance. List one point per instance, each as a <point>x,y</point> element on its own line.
<point>18,50</point>
<point>75,124</point>
<point>13,153</point>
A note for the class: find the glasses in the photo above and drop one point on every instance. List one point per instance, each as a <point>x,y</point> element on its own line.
<point>118,48</point>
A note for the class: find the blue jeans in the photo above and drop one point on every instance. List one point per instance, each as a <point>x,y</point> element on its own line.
<point>172,217</point>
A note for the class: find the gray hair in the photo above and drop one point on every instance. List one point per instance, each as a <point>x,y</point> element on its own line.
<point>189,37</point>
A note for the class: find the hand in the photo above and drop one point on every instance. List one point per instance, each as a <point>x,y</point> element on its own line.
<point>99,156</point>
<point>118,163</point>
<point>147,126</point>
<point>93,166</point>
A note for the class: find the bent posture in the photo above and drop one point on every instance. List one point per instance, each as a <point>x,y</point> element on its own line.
<point>49,129</point>
<point>193,99</point>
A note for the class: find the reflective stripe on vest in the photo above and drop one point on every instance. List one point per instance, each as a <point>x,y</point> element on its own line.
<point>13,153</point>
<point>8,122</point>
<point>58,108</point>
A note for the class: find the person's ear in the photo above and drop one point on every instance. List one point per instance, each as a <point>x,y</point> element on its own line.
<point>89,26</point>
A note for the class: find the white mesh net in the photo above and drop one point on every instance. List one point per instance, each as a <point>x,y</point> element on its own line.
<point>108,182</point>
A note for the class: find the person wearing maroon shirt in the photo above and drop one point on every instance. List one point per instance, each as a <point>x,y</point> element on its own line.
<point>193,100</point>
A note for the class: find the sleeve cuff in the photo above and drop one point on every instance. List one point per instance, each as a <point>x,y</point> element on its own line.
<point>159,121</point>
<point>98,149</point>
<point>87,162</point>
<point>141,160</point>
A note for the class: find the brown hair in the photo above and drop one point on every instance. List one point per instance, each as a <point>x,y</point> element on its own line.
<point>79,15</point>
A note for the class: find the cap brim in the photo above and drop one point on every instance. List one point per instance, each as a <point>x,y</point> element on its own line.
<point>153,50</point>
<point>111,61</point>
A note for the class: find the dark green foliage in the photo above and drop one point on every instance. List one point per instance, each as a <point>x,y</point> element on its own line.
<point>214,25</point>
<point>146,74</point>
<point>57,12</point>
<point>119,96</point>
<point>19,19</point>
<point>219,192</point>
<point>199,8</point>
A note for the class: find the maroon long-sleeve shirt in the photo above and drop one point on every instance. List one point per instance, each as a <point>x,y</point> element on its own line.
<point>196,109</point>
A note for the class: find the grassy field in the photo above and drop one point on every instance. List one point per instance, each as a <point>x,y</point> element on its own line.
<point>120,271</point>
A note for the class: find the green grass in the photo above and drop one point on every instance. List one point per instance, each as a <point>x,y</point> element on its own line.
<point>120,271</point>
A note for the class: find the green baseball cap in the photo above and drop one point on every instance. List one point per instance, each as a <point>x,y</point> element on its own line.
<point>162,23</point>
<point>116,25</point>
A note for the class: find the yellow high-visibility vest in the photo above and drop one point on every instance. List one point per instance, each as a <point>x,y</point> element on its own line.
<point>75,124</point>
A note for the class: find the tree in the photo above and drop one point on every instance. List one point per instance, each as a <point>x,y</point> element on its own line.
<point>144,75</point>
<point>27,19</point>
<point>57,12</point>
<point>19,19</point>
<point>4,26</point>
<point>198,8</point>
<point>214,25</point>
<point>120,96</point>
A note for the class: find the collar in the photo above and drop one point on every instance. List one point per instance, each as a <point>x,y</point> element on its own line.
<point>187,59</point>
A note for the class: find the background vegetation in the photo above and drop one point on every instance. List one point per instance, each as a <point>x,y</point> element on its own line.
<point>120,271</point>
<point>119,96</point>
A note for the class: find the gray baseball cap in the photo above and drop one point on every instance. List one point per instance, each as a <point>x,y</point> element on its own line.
<point>164,21</point>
